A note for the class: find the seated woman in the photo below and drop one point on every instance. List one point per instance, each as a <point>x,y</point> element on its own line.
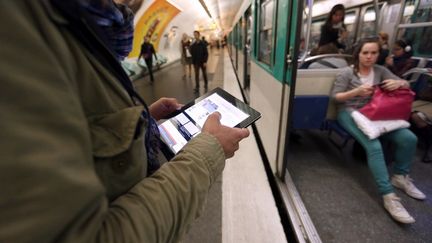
<point>400,62</point>
<point>353,88</point>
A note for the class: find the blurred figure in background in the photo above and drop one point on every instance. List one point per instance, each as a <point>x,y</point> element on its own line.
<point>199,53</point>
<point>400,62</point>
<point>185,55</point>
<point>334,30</point>
<point>328,62</point>
<point>147,52</point>
<point>384,48</point>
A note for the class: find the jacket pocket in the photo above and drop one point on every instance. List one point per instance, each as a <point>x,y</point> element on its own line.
<point>118,149</point>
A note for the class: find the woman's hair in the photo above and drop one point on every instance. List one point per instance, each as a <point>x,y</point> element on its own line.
<point>185,37</point>
<point>329,48</point>
<point>408,52</point>
<point>358,48</point>
<point>337,7</point>
<point>384,36</point>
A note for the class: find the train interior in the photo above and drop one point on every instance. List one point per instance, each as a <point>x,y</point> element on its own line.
<point>300,177</point>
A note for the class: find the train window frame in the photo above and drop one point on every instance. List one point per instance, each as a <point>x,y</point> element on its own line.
<point>269,25</point>
<point>417,33</point>
<point>363,13</point>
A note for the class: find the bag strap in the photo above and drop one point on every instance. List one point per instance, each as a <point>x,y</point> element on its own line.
<point>424,117</point>
<point>327,63</point>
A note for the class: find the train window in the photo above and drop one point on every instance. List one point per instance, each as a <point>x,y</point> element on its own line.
<point>422,10</point>
<point>350,21</point>
<point>415,12</point>
<point>315,33</point>
<point>368,24</point>
<point>240,34</point>
<point>265,31</point>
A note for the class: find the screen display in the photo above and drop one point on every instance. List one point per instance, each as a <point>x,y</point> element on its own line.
<point>178,130</point>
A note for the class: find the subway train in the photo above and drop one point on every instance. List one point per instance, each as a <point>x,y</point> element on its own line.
<point>299,176</point>
<point>310,156</point>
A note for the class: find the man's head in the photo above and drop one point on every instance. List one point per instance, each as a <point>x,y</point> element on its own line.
<point>196,34</point>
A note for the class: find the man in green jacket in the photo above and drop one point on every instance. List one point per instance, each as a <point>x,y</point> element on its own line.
<point>73,160</point>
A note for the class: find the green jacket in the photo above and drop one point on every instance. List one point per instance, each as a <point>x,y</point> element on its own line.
<point>70,167</point>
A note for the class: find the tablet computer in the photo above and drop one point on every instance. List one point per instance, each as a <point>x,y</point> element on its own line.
<point>187,122</point>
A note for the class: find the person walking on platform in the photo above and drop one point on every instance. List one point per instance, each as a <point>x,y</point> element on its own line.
<point>186,57</point>
<point>148,51</point>
<point>199,54</point>
<point>80,157</point>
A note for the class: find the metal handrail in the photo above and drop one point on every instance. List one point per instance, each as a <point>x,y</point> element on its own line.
<point>307,34</point>
<point>317,57</point>
<point>420,71</point>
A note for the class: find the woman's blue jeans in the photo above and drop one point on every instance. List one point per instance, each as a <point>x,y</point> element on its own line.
<point>403,140</point>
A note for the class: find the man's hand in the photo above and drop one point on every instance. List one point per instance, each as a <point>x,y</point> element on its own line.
<point>229,138</point>
<point>163,107</point>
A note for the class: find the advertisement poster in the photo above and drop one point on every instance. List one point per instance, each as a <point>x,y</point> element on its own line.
<point>152,24</point>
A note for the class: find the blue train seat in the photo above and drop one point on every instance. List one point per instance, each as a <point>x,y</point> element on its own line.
<point>309,111</point>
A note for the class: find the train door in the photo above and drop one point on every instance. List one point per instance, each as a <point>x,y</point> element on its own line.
<point>236,45</point>
<point>292,30</point>
<point>247,52</point>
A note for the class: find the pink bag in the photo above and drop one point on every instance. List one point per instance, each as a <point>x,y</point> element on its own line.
<point>389,105</point>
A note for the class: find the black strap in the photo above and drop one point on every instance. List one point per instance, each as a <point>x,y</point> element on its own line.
<point>326,63</point>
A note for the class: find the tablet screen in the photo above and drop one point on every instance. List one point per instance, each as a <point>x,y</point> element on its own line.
<point>178,130</point>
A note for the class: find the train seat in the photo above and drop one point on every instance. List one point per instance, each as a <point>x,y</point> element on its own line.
<point>309,111</point>
<point>313,107</point>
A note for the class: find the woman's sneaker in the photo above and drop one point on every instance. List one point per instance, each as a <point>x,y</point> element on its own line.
<point>396,210</point>
<point>404,182</point>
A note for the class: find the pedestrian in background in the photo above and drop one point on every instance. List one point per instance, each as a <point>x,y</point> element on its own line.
<point>199,53</point>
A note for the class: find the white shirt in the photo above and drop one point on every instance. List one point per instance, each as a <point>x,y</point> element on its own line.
<point>368,79</point>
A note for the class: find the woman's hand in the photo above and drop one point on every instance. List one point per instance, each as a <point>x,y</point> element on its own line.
<point>391,84</point>
<point>389,61</point>
<point>163,107</point>
<point>364,90</point>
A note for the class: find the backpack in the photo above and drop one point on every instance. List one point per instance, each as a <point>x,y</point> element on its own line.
<point>421,125</point>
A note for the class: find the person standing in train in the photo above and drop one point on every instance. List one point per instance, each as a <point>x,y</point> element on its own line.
<point>334,30</point>
<point>400,62</point>
<point>79,156</point>
<point>147,52</point>
<point>185,55</point>
<point>352,89</point>
<point>199,53</point>
<point>384,48</point>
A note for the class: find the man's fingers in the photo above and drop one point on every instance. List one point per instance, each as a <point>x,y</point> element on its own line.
<point>215,117</point>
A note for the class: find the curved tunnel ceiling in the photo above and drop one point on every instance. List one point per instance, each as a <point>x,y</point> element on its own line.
<point>223,11</point>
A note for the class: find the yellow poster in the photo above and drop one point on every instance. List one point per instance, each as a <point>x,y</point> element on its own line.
<point>152,24</point>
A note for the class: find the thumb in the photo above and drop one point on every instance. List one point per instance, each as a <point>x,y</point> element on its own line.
<point>214,119</point>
